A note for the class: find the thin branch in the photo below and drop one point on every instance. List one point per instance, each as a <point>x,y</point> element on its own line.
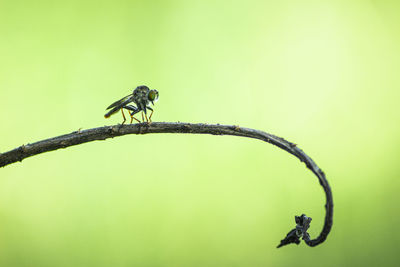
<point>102,133</point>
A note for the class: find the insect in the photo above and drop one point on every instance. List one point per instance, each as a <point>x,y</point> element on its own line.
<point>142,96</point>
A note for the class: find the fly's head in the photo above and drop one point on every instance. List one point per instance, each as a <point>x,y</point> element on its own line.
<point>153,96</point>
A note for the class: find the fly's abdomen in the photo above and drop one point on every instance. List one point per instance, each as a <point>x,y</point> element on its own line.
<point>112,111</point>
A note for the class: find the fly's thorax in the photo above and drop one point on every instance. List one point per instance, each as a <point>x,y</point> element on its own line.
<point>140,96</point>
<point>141,91</point>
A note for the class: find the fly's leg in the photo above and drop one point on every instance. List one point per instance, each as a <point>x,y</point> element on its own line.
<point>151,114</point>
<point>142,117</point>
<point>133,118</point>
<point>123,115</point>
<point>145,114</point>
<point>134,111</point>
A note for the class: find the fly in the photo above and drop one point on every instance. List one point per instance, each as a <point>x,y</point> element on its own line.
<point>142,97</point>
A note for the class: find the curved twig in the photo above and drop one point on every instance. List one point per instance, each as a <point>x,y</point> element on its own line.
<point>101,133</point>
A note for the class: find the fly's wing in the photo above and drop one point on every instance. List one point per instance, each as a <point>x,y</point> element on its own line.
<point>117,105</point>
<point>122,102</point>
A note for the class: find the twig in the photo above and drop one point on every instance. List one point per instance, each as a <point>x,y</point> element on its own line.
<point>102,133</point>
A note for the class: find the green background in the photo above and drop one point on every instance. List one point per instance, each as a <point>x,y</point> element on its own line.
<point>322,74</point>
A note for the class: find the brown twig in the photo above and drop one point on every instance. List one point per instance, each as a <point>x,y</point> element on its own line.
<point>102,133</point>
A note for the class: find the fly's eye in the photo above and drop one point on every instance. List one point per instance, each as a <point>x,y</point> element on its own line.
<point>153,95</point>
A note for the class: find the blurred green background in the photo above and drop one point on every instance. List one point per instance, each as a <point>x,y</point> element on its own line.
<point>322,74</point>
